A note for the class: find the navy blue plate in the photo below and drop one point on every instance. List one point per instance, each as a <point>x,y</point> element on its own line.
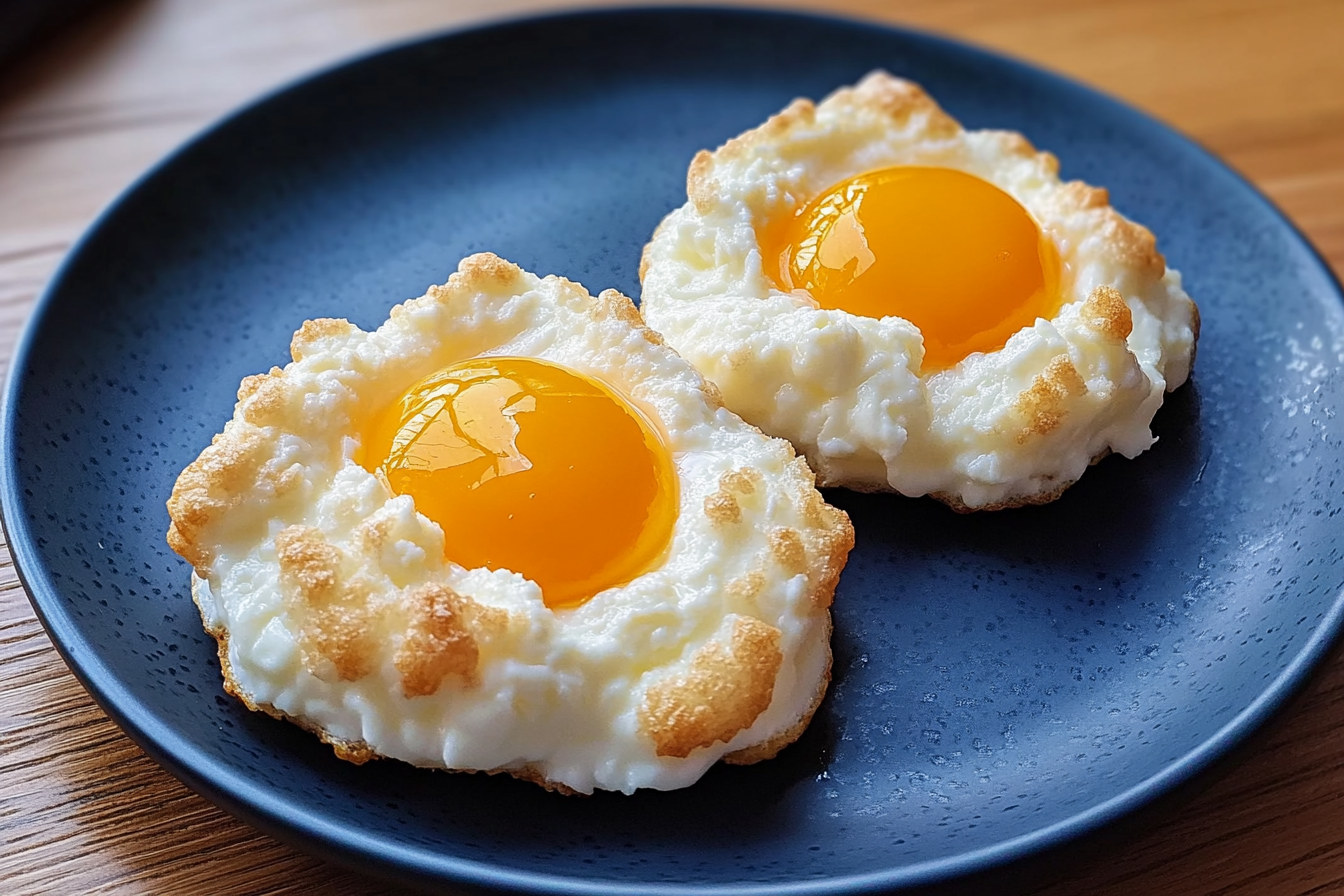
<point>1004,683</point>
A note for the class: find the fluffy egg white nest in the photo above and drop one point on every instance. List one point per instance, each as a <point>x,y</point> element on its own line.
<point>334,607</point>
<point>1003,428</point>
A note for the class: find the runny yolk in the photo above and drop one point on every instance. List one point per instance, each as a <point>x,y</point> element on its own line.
<point>949,252</point>
<point>531,467</point>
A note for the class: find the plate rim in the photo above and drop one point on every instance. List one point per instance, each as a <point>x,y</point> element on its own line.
<point>315,834</point>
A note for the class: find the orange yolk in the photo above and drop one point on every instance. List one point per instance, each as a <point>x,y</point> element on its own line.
<point>530,467</point>
<point>951,253</point>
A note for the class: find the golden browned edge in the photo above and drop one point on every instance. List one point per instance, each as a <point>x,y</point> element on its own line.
<point>724,689</point>
<point>900,99</point>
<point>359,752</point>
<point>354,751</point>
<point>769,749</point>
<point>726,686</point>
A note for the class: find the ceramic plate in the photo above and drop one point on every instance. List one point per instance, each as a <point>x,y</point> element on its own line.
<point>1004,683</point>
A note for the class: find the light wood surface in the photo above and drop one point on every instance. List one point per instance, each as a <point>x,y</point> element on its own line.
<point>82,810</point>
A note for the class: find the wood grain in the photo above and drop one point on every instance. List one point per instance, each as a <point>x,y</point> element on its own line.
<point>83,810</point>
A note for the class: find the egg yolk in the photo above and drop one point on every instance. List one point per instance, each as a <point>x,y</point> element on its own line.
<point>951,253</point>
<point>531,467</point>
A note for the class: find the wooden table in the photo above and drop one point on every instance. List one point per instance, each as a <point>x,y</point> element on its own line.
<point>83,810</point>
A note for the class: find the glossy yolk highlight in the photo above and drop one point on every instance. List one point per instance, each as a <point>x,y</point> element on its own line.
<point>531,467</point>
<point>949,252</point>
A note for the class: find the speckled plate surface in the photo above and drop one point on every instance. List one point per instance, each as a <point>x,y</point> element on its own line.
<point>1004,683</point>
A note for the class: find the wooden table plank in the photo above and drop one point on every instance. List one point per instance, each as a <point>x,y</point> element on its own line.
<point>83,810</point>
